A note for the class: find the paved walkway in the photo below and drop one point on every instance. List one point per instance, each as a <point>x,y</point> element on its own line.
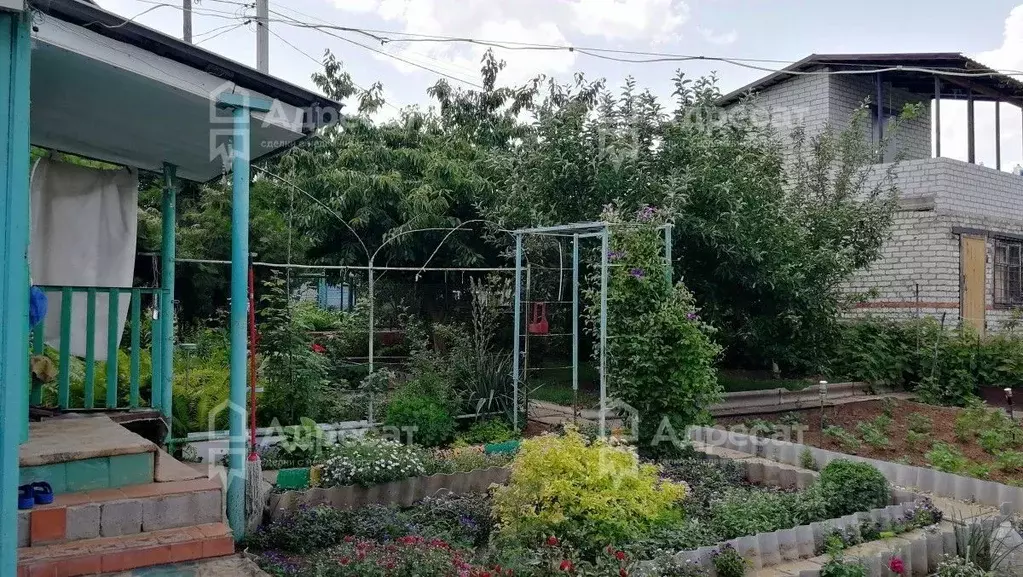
<point>235,566</point>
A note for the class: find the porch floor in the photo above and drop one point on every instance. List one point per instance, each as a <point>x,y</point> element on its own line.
<point>76,438</point>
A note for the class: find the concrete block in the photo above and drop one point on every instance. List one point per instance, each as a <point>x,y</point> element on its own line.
<point>965,488</point>
<point>905,475</point>
<point>935,550</point>
<point>23,529</point>
<point>749,548</point>
<point>208,507</point>
<point>787,478</point>
<point>770,549</point>
<point>918,547</point>
<point>121,518</point>
<point>169,512</point>
<point>987,493</point>
<point>83,521</point>
<point>805,479</point>
<point>805,541</point>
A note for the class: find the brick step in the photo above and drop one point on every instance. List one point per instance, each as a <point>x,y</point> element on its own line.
<point>120,512</point>
<point>111,554</point>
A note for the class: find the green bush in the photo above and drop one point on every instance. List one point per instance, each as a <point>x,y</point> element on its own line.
<point>424,418</point>
<point>662,357</point>
<point>848,487</point>
<point>487,432</point>
<point>946,458</point>
<point>847,440</point>
<point>369,461</point>
<point>748,512</point>
<point>587,494</point>
<point>954,566</point>
<point>728,562</point>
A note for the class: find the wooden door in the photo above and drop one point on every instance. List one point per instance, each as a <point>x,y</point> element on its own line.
<point>972,263</point>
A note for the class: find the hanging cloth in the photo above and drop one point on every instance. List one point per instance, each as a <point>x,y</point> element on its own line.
<point>84,230</point>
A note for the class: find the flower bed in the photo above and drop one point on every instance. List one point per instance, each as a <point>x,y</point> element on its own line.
<point>976,442</point>
<point>575,507</point>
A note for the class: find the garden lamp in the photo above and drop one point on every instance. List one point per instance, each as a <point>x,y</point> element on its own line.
<point>1008,399</point>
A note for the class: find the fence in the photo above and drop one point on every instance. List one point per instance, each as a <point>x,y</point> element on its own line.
<point>113,346</point>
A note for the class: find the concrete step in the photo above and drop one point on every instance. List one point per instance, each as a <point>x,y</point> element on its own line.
<point>233,566</point>
<point>125,553</point>
<point>120,512</point>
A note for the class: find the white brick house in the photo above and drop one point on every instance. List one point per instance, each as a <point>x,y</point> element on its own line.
<point>957,242</point>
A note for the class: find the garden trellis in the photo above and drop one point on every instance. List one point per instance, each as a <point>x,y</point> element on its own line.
<point>577,232</point>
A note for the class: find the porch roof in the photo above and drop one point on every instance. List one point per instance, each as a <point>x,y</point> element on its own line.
<point>905,73</point>
<point>114,90</point>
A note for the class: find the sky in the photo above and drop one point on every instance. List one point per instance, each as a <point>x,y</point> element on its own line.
<point>786,30</point>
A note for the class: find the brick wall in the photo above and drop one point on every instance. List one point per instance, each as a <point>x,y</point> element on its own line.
<point>943,193</point>
<point>847,93</point>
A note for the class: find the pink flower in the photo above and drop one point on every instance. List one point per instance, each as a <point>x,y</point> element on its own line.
<point>895,565</point>
<point>552,541</point>
<point>566,566</point>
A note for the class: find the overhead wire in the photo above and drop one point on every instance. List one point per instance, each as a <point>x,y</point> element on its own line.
<point>320,63</point>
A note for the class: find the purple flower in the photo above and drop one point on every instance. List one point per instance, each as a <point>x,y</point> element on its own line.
<point>692,316</point>
<point>637,273</point>
<point>646,213</point>
<point>615,255</point>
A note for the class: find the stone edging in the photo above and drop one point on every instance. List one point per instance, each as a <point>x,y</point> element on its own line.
<point>1004,497</point>
<point>404,492</point>
<point>765,550</point>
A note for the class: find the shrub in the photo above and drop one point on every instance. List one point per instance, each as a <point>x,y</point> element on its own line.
<point>463,459</point>
<point>848,487</point>
<point>919,423</point>
<point>370,461</point>
<point>662,357</point>
<point>748,512</point>
<point>953,566</point>
<point>409,556</point>
<point>847,440</point>
<point>1010,462</point>
<point>429,422</point>
<point>873,434</point>
<point>728,562</point>
<point>591,494</point>
<point>841,568</point>
<point>489,431</point>
<point>303,531</point>
<point>915,439</point>
<point>806,459</point>
<point>946,458</point>
<point>707,479</point>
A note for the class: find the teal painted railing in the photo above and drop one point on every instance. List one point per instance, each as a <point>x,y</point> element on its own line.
<point>133,337</point>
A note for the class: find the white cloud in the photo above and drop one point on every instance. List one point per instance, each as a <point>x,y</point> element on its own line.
<point>1008,56</point>
<point>630,19</point>
<point>721,39</point>
<point>524,21</point>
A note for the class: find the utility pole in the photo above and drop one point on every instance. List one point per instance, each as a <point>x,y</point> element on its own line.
<point>263,36</point>
<point>186,32</point>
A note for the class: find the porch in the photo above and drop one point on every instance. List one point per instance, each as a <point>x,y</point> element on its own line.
<point>110,90</point>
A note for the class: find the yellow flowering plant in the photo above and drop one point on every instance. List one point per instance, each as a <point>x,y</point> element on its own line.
<point>589,494</point>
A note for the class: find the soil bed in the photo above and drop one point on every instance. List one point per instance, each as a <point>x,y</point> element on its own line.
<point>848,416</point>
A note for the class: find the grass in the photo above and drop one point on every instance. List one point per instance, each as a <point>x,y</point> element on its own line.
<point>562,394</point>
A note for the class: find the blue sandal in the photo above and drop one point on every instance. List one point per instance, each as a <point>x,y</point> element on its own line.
<point>26,497</point>
<point>43,493</point>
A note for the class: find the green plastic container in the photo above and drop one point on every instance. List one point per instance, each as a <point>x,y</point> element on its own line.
<point>502,448</point>
<point>294,479</point>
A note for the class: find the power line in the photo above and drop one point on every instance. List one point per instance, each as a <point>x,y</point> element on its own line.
<point>386,37</point>
<point>320,63</point>
<point>218,31</point>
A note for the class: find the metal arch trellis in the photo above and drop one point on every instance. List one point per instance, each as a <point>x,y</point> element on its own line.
<point>577,232</point>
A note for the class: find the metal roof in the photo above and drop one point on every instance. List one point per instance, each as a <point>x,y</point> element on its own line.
<point>902,70</point>
<point>87,14</point>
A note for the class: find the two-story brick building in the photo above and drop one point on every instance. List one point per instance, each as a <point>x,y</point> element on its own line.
<point>957,242</point>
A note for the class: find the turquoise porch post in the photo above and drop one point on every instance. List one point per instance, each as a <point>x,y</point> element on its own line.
<point>15,60</point>
<point>167,302</point>
<point>240,106</point>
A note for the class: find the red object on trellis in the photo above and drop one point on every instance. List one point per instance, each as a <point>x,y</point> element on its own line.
<point>538,325</point>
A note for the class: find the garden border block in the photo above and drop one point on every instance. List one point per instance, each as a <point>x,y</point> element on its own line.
<point>404,492</point>
<point>988,493</point>
<point>775,548</point>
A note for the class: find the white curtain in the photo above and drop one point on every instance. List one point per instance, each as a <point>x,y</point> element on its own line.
<point>84,230</point>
